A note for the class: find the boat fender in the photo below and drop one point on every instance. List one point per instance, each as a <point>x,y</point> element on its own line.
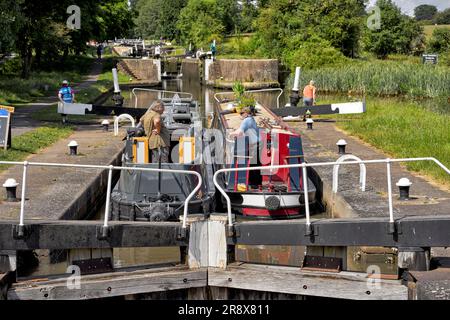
<point>272,203</point>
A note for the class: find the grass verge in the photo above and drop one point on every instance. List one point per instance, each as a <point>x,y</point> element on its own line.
<point>405,129</point>
<point>33,141</point>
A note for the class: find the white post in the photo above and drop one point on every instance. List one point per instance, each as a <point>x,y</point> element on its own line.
<point>108,196</point>
<point>297,79</point>
<point>22,201</point>
<point>116,81</point>
<point>391,210</point>
<point>305,191</point>
<point>143,44</point>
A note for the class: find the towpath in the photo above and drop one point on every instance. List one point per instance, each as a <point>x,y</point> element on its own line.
<point>22,118</point>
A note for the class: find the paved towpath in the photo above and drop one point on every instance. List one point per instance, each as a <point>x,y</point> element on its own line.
<point>22,118</point>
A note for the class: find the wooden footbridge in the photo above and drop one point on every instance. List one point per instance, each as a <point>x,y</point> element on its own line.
<point>208,268</point>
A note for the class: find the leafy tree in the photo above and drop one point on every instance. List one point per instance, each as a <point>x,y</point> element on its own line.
<point>425,12</point>
<point>10,21</point>
<point>440,40</point>
<point>338,22</point>
<point>158,18</point>
<point>248,13</point>
<point>397,34</point>
<point>38,28</point>
<point>443,17</point>
<point>199,23</point>
<point>229,14</point>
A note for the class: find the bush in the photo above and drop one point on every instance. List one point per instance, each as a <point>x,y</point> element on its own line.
<point>440,40</point>
<point>312,54</point>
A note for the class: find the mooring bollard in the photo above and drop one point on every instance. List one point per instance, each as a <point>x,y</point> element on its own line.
<point>404,184</point>
<point>341,144</point>
<point>309,124</point>
<point>105,125</point>
<point>11,187</point>
<point>73,145</point>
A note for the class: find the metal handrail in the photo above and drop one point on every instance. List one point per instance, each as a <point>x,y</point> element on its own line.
<point>110,168</point>
<point>188,95</point>
<point>253,91</point>
<point>322,164</point>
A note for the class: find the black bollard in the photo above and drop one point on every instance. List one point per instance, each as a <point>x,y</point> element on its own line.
<point>341,144</point>
<point>73,146</point>
<point>11,187</point>
<point>404,185</point>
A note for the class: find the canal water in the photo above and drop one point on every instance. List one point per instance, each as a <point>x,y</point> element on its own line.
<point>56,261</point>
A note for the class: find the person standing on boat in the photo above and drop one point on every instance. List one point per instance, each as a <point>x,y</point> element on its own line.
<point>249,128</point>
<point>157,133</point>
<point>309,94</point>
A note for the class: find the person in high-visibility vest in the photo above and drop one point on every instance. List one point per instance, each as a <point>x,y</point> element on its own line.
<point>66,93</point>
<point>309,94</point>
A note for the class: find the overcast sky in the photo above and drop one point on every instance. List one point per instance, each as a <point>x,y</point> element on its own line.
<point>408,6</point>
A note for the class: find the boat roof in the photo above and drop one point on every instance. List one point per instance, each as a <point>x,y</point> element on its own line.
<point>263,115</point>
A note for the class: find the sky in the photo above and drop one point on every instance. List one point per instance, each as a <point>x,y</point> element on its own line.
<point>408,6</point>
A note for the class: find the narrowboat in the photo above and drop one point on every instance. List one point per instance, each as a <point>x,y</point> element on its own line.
<point>160,196</point>
<point>262,194</point>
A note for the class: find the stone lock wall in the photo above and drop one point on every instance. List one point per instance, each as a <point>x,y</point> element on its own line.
<point>256,73</point>
<point>141,69</point>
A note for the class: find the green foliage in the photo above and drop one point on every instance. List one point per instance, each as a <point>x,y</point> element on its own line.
<point>245,100</point>
<point>398,34</point>
<point>440,40</point>
<point>238,89</point>
<point>158,18</point>
<point>443,17</point>
<point>425,12</point>
<point>37,29</point>
<point>312,54</point>
<point>199,23</point>
<point>338,22</point>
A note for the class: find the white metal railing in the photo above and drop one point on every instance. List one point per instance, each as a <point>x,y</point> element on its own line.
<point>322,164</point>
<point>120,117</point>
<point>362,172</point>
<point>161,94</point>
<point>252,91</point>
<point>110,169</point>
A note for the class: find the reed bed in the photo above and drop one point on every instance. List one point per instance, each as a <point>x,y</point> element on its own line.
<point>382,78</point>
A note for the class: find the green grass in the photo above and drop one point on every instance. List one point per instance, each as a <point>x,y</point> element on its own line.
<point>103,84</point>
<point>32,142</point>
<point>405,129</point>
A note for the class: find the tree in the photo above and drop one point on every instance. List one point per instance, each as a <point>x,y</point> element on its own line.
<point>158,18</point>
<point>440,40</point>
<point>425,12</point>
<point>39,32</point>
<point>199,23</point>
<point>443,17</point>
<point>336,21</point>
<point>398,32</point>
<point>10,21</point>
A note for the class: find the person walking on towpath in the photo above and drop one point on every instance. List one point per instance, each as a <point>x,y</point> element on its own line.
<point>309,94</point>
<point>157,133</point>
<point>66,93</point>
<point>99,51</point>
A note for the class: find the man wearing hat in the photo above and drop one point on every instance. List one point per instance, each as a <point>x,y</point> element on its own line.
<point>66,94</point>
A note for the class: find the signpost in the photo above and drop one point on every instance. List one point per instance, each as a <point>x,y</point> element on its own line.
<point>430,58</point>
<point>5,126</point>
